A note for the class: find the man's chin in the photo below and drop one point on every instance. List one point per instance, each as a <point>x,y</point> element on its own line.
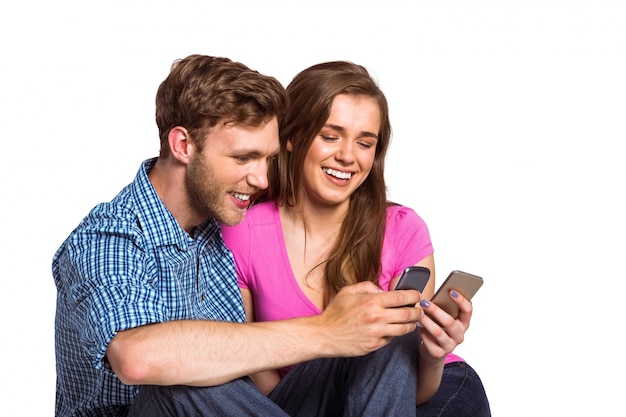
<point>233,218</point>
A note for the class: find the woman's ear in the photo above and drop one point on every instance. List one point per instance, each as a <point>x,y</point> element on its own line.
<point>178,139</point>
<point>289,146</point>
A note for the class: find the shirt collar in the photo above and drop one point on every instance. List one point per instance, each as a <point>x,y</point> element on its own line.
<point>155,219</point>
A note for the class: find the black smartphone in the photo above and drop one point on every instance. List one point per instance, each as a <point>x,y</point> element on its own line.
<point>413,278</point>
<point>464,283</point>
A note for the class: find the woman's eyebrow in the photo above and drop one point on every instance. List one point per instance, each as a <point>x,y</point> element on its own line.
<point>342,129</point>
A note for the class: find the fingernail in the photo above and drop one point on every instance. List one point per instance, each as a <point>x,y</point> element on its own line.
<point>455,294</point>
<point>425,303</point>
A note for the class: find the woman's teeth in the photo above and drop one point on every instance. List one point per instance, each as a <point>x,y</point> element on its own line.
<point>338,174</point>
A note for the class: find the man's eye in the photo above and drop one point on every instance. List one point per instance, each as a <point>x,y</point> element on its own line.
<point>242,159</point>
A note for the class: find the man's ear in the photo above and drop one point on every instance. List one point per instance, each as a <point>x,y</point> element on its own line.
<point>178,139</point>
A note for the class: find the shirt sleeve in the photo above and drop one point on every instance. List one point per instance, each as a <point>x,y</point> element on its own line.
<point>407,241</point>
<point>237,239</point>
<point>110,285</point>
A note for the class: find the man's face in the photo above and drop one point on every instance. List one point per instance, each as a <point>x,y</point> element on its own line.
<point>230,169</point>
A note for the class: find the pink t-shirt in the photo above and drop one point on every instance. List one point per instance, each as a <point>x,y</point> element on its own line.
<point>263,267</point>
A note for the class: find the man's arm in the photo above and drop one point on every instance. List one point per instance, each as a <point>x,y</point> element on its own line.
<point>206,353</point>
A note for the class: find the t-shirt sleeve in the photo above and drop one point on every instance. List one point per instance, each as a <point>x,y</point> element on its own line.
<point>237,239</point>
<point>407,241</point>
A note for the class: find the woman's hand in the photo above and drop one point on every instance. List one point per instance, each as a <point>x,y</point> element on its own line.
<point>442,336</point>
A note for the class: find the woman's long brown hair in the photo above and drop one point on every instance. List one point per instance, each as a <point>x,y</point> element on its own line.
<point>356,255</point>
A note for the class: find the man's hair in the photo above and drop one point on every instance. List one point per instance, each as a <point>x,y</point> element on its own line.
<point>202,90</point>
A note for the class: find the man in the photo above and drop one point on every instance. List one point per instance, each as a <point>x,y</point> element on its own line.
<point>148,300</point>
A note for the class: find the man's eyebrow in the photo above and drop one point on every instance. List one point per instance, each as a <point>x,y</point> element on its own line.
<point>341,129</point>
<point>252,153</point>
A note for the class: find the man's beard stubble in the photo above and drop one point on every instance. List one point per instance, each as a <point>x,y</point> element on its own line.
<point>207,195</point>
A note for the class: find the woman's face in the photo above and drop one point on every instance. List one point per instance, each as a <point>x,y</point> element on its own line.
<point>342,154</point>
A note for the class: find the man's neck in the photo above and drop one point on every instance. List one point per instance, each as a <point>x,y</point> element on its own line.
<point>168,179</point>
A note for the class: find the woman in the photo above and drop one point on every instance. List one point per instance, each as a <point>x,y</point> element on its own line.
<point>325,223</point>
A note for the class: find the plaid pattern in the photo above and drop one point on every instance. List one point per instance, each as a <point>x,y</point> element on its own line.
<point>127,264</point>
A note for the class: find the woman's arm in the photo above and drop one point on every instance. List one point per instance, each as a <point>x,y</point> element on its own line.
<point>438,341</point>
<point>265,380</point>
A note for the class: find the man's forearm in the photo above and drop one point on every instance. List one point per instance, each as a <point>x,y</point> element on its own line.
<point>203,353</point>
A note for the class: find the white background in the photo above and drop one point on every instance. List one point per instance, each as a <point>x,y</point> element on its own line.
<point>509,127</point>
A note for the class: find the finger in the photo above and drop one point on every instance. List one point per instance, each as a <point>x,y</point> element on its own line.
<point>433,346</point>
<point>438,315</point>
<point>441,325</point>
<point>439,339</point>
<point>401,298</point>
<point>430,326</point>
<point>465,307</point>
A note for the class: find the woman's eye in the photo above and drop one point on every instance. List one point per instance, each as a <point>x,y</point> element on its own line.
<point>329,138</point>
<point>365,145</point>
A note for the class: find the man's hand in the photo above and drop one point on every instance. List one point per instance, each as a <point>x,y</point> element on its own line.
<point>362,318</point>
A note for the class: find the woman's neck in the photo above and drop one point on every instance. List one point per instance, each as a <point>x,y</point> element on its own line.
<point>310,235</point>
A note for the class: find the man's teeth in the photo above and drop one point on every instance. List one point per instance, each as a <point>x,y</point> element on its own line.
<point>242,197</point>
<point>338,174</point>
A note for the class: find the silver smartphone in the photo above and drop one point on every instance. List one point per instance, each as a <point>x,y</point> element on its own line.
<point>464,283</point>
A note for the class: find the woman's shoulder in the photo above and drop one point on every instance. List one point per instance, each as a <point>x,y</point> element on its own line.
<point>262,212</point>
<point>259,214</point>
<point>399,213</point>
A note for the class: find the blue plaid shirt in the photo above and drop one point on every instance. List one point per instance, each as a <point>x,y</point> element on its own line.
<point>129,263</point>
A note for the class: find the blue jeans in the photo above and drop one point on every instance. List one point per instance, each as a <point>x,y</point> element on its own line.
<point>381,383</point>
<point>461,394</point>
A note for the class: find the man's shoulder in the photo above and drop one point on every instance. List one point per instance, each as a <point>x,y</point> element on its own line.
<point>135,210</point>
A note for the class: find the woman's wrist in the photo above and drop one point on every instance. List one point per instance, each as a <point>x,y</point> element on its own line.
<point>427,358</point>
